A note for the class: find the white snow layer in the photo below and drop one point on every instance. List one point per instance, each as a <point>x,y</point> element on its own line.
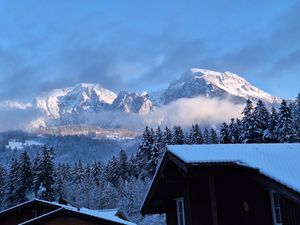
<point>106,214</point>
<point>280,162</point>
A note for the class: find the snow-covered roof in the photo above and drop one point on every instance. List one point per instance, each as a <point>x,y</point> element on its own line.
<point>280,162</point>
<point>106,214</point>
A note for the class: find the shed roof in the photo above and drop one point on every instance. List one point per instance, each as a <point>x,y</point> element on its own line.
<point>113,215</point>
<point>280,162</point>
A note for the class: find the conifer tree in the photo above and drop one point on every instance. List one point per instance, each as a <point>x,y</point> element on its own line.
<point>158,148</point>
<point>224,134</point>
<point>45,174</point>
<point>213,136</point>
<point>261,119</point>
<point>296,119</point>
<point>284,128</point>
<point>25,173</point>
<point>273,124</point>
<point>12,186</point>
<point>247,123</point>
<point>167,136</point>
<point>97,173</point>
<point>234,130</point>
<point>196,135</point>
<point>79,173</point>
<point>143,155</point>
<point>206,136</point>
<point>178,136</point>
<point>112,171</point>
<point>2,187</point>
<point>123,165</point>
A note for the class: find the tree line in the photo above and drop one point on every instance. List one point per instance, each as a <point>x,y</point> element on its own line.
<point>115,184</point>
<point>123,181</point>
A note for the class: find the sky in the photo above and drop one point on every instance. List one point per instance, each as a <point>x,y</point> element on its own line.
<point>143,45</point>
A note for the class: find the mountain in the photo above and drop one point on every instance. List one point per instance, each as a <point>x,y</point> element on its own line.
<point>73,100</point>
<point>133,103</point>
<point>91,105</point>
<point>200,82</point>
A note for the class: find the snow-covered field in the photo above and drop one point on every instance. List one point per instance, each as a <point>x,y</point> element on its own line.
<point>14,144</point>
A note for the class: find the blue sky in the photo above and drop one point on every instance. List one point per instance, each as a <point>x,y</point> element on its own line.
<point>143,45</point>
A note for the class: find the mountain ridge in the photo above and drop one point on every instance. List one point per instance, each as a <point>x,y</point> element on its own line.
<point>70,105</point>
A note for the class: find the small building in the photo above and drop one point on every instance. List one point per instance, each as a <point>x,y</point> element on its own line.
<point>234,184</point>
<point>43,212</point>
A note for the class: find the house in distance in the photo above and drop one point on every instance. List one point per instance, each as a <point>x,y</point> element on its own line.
<point>40,212</point>
<point>234,184</point>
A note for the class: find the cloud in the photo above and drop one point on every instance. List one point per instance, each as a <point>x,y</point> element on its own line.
<point>16,116</point>
<point>95,44</point>
<point>186,112</point>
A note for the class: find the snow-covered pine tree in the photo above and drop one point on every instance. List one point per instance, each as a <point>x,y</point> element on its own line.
<point>143,155</point>
<point>97,173</point>
<point>273,124</point>
<point>25,173</point>
<point>45,173</point>
<point>247,135</point>
<point>78,173</point>
<point>296,119</point>
<point>234,130</point>
<point>167,136</point>
<point>213,136</point>
<point>284,128</point>
<point>158,149</point>
<point>111,171</point>
<point>13,184</point>
<point>178,136</point>
<point>206,136</point>
<point>196,135</point>
<point>224,134</point>
<point>2,187</point>
<point>123,165</point>
<point>261,117</point>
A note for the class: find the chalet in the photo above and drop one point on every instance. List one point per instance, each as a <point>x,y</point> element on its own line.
<point>234,184</point>
<point>43,212</point>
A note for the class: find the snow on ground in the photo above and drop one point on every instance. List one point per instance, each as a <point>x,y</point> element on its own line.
<point>280,162</point>
<point>14,144</point>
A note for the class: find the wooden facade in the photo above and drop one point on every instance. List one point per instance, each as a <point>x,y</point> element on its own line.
<point>218,194</point>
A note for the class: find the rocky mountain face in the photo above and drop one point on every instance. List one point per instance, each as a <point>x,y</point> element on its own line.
<point>199,82</point>
<point>132,103</point>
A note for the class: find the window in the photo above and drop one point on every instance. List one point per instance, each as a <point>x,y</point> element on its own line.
<point>275,206</point>
<point>180,211</point>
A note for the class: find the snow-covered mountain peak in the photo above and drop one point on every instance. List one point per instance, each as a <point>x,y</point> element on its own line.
<point>81,97</point>
<point>208,83</point>
<point>88,91</point>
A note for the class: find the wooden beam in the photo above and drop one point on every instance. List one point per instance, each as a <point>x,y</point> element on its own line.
<point>213,200</point>
<point>187,202</point>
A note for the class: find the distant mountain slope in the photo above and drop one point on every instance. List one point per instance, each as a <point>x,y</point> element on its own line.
<point>200,82</point>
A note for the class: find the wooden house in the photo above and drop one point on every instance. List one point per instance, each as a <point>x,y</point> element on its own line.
<point>42,212</point>
<point>234,184</point>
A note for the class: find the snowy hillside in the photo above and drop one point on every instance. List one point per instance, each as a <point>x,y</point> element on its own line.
<point>200,82</point>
